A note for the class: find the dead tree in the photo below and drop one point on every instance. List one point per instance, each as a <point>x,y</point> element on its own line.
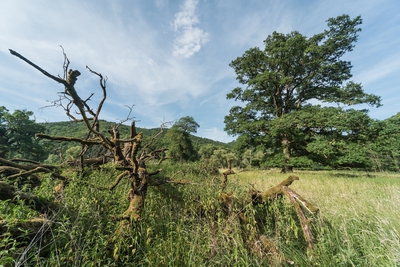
<point>257,242</point>
<point>130,154</point>
<point>131,157</point>
<point>226,173</point>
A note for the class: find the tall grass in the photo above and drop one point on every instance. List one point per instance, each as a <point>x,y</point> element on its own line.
<point>185,225</point>
<point>359,214</point>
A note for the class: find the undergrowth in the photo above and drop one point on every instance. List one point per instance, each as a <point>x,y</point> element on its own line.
<point>186,225</point>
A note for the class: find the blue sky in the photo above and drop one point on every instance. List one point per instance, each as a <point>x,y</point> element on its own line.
<point>171,58</point>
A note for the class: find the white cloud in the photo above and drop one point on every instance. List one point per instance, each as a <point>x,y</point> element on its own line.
<point>125,49</point>
<point>190,38</point>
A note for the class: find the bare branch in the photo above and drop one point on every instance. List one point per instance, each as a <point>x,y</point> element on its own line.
<point>65,64</point>
<point>118,179</point>
<point>38,169</point>
<point>164,158</point>
<point>38,68</point>
<point>28,169</point>
<point>70,139</point>
<point>305,223</point>
<point>103,82</point>
<point>162,126</point>
<point>153,153</point>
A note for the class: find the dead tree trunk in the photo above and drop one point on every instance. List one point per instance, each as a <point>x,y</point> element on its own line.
<point>226,173</point>
<point>129,154</point>
<point>258,243</point>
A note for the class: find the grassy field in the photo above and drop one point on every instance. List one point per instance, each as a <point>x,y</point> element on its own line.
<point>358,223</point>
<point>363,209</point>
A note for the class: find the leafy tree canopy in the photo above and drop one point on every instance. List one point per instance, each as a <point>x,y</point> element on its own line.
<point>181,145</point>
<point>286,78</point>
<point>186,124</point>
<point>17,135</point>
<point>385,148</point>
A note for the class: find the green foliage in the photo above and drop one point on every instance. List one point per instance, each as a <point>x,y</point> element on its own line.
<point>282,83</point>
<point>52,159</point>
<point>186,124</point>
<point>78,129</point>
<point>186,225</point>
<point>220,157</point>
<point>181,146</point>
<point>252,158</point>
<point>331,136</point>
<point>17,136</point>
<point>73,152</point>
<point>384,150</point>
<point>206,151</point>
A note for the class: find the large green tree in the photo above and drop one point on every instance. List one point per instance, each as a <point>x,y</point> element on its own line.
<point>181,147</point>
<point>291,74</point>
<point>17,135</point>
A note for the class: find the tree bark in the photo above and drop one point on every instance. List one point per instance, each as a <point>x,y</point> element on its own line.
<point>13,169</point>
<point>226,173</point>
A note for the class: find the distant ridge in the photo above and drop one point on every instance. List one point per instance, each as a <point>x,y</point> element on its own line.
<point>78,129</point>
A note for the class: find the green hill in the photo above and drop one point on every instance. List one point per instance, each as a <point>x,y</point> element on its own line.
<point>78,129</point>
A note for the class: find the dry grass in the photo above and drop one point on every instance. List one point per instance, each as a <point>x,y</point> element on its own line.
<point>363,209</point>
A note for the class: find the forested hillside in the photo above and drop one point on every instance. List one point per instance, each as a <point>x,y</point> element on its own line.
<point>379,151</point>
<point>78,129</point>
<point>202,147</point>
<point>375,147</point>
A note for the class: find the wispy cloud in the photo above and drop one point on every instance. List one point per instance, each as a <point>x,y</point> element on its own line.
<point>190,38</point>
<point>140,69</point>
<point>140,45</point>
<point>386,67</point>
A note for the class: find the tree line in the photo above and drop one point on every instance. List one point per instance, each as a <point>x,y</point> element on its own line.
<point>370,144</point>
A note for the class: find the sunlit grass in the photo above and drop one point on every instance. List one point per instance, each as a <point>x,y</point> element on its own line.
<point>362,209</point>
<point>358,222</point>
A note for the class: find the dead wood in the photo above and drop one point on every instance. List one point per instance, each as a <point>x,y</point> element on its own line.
<point>118,179</point>
<point>295,199</point>
<point>304,222</point>
<point>24,230</point>
<point>48,166</point>
<point>70,139</point>
<point>226,173</point>
<point>126,153</point>
<point>9,192</point>
<point>258,243</point>
<point>271,193</point>
<point>13,170</point>
<point>88,162</point>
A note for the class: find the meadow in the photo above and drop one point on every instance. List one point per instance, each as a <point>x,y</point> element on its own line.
<point>361,207</point>
<point>358,223</point>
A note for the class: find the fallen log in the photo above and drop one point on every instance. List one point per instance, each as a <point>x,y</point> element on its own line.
<point>9,192</point>
<point>13,170</point>
<point>257,242</point>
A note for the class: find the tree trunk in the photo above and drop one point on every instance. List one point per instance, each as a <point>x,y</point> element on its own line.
<point>286,153</point>
<point>137,194</point>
